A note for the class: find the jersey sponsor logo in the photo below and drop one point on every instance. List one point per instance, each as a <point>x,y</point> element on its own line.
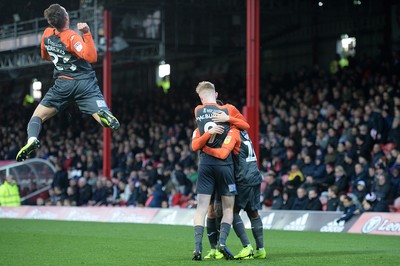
<point>297,225</point>
<point>78,46</point>
<point>232,187</point>
<point>227,140</point>
<point>101,103</point>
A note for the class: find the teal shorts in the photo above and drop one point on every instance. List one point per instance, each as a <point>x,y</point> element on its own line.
<point>85,92</point>
<point>248,198</point>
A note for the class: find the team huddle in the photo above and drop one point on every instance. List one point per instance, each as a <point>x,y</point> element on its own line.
<point>228,179</point>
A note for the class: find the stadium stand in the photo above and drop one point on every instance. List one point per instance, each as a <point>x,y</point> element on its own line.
<point>308,118</point>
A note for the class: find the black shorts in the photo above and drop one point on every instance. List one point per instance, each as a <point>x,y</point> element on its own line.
<point>248,198</point>
<point>216,178</point>
<point>85,92</point>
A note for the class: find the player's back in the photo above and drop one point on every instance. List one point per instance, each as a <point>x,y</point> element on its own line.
<point>58,46</point>
<point>203,115</point>
<point>246,168</point>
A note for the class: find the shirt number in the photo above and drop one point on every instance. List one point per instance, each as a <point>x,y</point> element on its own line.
<point>251,156</point>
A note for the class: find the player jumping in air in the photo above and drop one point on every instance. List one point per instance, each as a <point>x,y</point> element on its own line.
<point>75,79</point>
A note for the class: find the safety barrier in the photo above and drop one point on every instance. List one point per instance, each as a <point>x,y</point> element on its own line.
<point>367,223</point>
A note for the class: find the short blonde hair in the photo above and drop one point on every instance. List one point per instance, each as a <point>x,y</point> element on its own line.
<point>205,85</point>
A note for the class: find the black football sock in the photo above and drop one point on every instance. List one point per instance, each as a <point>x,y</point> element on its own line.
<point>34,127</point>
<point>257,229</point>
<point>224,232</point>
<point>198,237</point>
<point>212,232</point>
<point>240,231</point>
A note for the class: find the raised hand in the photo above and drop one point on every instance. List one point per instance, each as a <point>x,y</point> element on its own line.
<point>83,27</point>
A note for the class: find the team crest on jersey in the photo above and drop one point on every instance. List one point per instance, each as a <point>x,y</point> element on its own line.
<point>227,140</point>
<point>232,187</point>
<point>78,46</point>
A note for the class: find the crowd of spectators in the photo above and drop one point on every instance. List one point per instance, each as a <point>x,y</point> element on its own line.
<point>322,137</point>
<point>326,138</point>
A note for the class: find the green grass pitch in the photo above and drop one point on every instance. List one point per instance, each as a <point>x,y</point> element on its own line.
<point>37,242</point>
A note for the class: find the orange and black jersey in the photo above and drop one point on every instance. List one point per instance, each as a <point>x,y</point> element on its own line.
<point>245,160</point>
<point>70,54</point>
<point>203,115</point>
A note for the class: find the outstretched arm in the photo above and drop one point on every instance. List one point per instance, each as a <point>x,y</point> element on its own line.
<point>84,48</point>
<point>235,118</point>
<point>198,142</point>
<point>230,143</point>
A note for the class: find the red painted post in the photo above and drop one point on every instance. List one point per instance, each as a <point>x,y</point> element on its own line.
<point>253,72</point>
<point>107,92</point>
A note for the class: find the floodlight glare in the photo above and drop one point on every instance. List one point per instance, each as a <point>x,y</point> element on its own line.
<point>36,91</point>
<point>164,70</point>
<point>36,85</point>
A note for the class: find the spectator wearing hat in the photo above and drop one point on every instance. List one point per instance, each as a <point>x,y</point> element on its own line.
<point>369,202</point>
<point>360,190</point>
